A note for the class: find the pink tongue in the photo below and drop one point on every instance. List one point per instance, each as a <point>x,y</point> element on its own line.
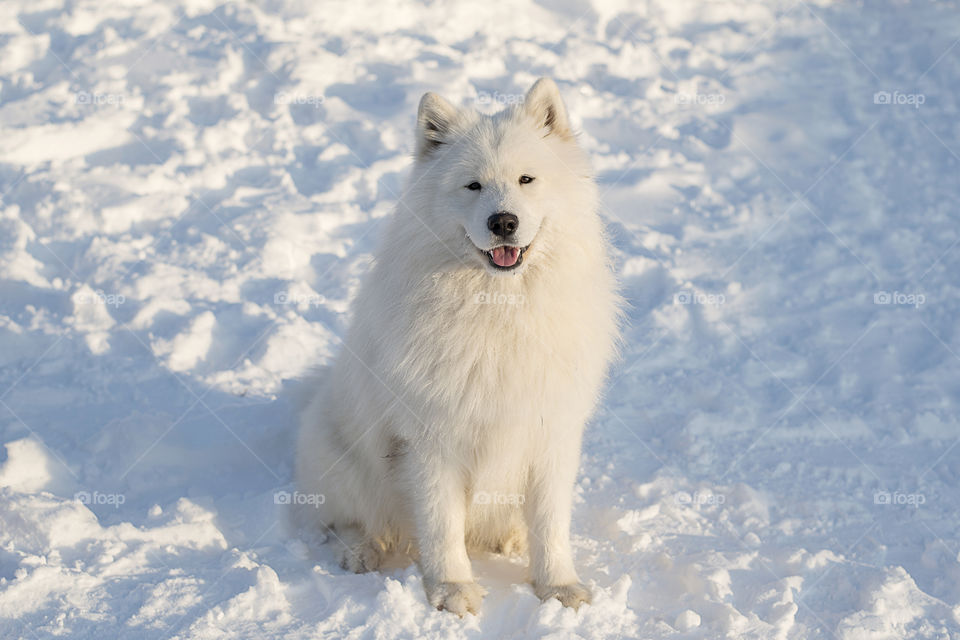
<point>505,256</point>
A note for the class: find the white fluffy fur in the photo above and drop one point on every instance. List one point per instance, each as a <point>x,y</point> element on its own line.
<point>437,396</point>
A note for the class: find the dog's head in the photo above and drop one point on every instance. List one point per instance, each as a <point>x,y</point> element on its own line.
<point>492,187</point>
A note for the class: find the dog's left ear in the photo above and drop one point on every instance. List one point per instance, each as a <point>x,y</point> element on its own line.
<point>544,104</point>
<point>435,117</point>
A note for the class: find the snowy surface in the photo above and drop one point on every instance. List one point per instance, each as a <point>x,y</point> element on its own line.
<point>190,193</point>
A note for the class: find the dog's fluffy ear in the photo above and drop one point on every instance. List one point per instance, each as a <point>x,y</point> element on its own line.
<point>544,104</point>
<point>435,118</point>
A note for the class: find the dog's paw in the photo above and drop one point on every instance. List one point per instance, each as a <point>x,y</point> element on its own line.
<point>361,557</point>
<point>514,543</point>
<point>569,595</point>
<point>457,597</point>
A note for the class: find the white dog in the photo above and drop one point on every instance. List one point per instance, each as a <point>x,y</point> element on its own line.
<point>453,416</point>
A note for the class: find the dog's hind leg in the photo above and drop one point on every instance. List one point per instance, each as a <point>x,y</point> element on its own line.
<point>358,551</point>
<point>507,538</point>
<point>513,543</point>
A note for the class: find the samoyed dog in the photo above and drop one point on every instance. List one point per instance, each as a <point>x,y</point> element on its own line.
<point>452,418</point>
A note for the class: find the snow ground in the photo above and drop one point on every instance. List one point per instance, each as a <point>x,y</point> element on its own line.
<point>191,191</point>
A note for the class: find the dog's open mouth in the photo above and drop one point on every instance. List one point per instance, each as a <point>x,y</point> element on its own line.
<point>505,257</point>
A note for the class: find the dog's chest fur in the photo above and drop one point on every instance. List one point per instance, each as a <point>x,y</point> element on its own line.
<point>497,353</point>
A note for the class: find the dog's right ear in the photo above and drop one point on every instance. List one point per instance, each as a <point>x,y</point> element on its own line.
<point>544,104</point>
<point>434,122</point>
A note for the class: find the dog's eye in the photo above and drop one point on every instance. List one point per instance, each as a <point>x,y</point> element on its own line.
<point>526,179</point>
<point>474,186</point>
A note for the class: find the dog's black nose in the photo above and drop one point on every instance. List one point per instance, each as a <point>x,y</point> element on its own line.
<point>503,224</point>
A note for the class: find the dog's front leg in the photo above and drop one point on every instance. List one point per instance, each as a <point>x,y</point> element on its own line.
<point>438,495</point>
<point>547,506</point>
